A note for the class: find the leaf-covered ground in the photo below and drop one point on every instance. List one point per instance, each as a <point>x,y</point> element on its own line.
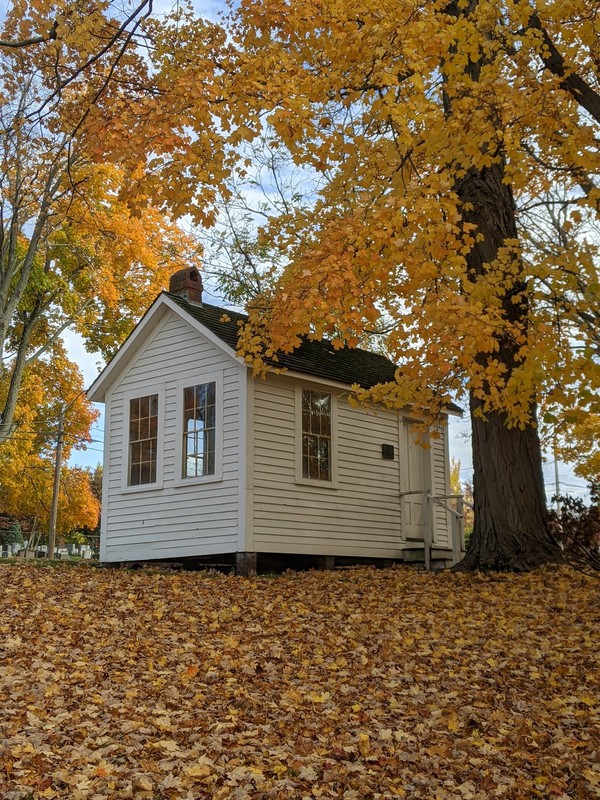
<point>350,684</point>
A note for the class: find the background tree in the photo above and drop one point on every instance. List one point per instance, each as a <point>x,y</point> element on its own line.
<point>96,481</point>
<point>74,250</point>
<point>83,534</point>
<point>239,260</point>
<point>13,535</point>
<point>464,488</point>
<point>27,458</point>
<point>557,224</point>
<point>580,443</point>
<point>455,482</point>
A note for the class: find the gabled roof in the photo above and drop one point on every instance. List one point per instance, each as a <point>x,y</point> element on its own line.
<point>318,358</point>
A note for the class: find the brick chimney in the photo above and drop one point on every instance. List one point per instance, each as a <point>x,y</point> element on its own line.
<point>187,284</point>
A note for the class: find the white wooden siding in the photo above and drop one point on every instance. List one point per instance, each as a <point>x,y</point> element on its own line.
<point>359,518</point>
<point>173,520</point>
<point>440,482</point>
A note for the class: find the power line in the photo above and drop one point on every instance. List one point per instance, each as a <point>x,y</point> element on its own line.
<point>78,439</point>
<point>573,485</point>
<point>95,449</point>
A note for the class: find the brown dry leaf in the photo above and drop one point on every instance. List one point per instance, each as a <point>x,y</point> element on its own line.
<point>351,684</point>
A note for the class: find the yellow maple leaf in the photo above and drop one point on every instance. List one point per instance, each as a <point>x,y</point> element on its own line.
<point>453,723</point>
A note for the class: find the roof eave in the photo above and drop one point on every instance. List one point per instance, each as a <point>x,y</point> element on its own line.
<point>153,316</point>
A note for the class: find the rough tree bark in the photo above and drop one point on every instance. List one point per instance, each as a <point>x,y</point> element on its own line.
<point>511,526</point>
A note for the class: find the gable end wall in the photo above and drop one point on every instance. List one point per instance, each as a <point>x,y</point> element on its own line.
<point>173,521</point>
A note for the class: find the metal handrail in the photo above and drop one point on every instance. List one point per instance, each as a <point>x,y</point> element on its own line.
<point>457,527</point>
<point>455,497</point>
<point>457,532</point>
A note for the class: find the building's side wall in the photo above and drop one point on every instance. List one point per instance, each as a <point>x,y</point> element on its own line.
<point>173,519</point>
<point>361,517</point>
<point>440,482</point>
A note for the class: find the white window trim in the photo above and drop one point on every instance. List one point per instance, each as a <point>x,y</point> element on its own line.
<point>300,479</point>
<point>193,380</point>
<point>143,391</point>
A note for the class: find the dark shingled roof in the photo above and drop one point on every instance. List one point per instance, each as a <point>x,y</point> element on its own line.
<point>319,358</point>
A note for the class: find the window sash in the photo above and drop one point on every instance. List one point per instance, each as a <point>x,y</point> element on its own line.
<point>143,440</point>
<point>199,430</point>
<point>316,435</point>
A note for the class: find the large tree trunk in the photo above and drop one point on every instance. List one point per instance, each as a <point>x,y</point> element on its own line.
<point>511,527</point>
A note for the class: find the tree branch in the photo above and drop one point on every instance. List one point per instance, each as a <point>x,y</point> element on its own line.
<point>135,14</point>
<point>571,82</point>
<point>54,336</point>
<point>33,40</point>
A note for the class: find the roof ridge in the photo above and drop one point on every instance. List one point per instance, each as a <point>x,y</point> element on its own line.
<point>305,337</point>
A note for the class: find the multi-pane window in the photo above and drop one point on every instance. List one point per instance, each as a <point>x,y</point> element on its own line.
<point>316,435</point>
<point>199,430</point>
<point>143,437</point>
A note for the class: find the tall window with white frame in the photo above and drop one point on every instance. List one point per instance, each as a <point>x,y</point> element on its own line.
<point>143,439</point>
<point>316,435</point>
<point>199,430</point>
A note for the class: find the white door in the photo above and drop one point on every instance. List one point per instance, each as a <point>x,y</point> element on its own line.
<point>412,482</point>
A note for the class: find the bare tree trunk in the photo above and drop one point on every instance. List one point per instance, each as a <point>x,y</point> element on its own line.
<point>17,371</point>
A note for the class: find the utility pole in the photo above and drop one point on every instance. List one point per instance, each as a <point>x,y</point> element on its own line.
<point>57,468</point>
<point>56,486</point>
<point>556,481</point>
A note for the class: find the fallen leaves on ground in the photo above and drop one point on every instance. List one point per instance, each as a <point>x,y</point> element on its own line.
<point>355,683</point>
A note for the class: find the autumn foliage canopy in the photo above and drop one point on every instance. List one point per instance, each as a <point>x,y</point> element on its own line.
<point>388,107</point>
<point>424,132</point>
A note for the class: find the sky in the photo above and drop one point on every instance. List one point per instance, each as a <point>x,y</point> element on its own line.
<point>459,432</point>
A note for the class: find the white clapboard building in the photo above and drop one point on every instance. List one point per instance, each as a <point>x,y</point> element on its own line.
<point>203,459</point>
